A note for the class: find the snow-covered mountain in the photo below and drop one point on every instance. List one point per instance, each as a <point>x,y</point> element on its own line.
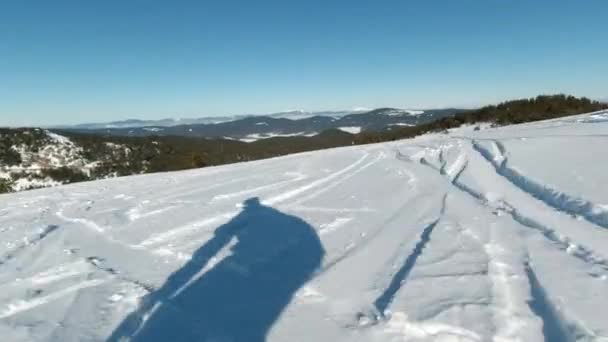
<point>169,122</point>
<point>491,234</point>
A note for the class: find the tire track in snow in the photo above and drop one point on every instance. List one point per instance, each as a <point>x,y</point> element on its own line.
<point>197,191</point>
<point>94,227</point>
<point>81,221</point>
<point>334,225</point>
<point>332,210</point>
<point>405,329</point>
<point>507,306</point>
<point>383,301</point>
<point>502,272</point>
<point>136,213</point>
<point>451,171</point>
<point>387,296</point>
<point>552,197</point>
<point>19,306</point>
<point>561,242</point>
<point>558,240</point>
<point>55,274</point>
<point>332,185</point>
<point>454,171</point>
<point>297,178</point>
<point>556,328</point>
<point>28,242</point>
<point>302,189</point>
<point>97,263</point>
<point>160,238</point>
<point>363,241</point>
<point>541,303</point>
<point>295,205</point>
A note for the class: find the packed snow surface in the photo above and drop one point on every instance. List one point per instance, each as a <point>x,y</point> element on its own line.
<point>499,234</point>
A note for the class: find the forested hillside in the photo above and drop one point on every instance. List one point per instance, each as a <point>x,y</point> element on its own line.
<point>32,158</point>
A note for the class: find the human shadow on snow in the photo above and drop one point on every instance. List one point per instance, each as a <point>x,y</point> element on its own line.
<point>240,297</point>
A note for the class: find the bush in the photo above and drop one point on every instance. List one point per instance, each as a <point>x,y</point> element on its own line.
<point>6,185</point>
<point>197,161</point>
<point>8,156</point>
<point>65,175</point>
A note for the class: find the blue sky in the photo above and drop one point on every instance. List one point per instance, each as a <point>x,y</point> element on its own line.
<point>82,61</point>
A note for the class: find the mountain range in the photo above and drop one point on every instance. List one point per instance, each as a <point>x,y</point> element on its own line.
<point>250,127</point>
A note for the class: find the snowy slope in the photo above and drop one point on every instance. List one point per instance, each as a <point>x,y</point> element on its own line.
<point>499,234</point>
<point>49,151</point>
<point>41,151</point>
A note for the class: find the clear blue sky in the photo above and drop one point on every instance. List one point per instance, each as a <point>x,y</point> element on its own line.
<point>82,61</point>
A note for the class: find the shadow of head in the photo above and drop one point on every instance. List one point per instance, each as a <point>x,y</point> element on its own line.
<point>252,203</point>
<point>264,256</point>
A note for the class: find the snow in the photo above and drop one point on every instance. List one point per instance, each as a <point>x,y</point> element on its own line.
<point>60,139</point>
<point>257,136</point>
<point>153,129</point>
<point>32,183</point>
<point>413,112</point>
<point>490,235</point>
<point>351,129</point>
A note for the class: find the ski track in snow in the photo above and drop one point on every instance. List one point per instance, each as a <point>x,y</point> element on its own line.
<point>443,237</point>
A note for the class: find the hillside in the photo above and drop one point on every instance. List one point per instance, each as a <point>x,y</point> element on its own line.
<point>34,158</point>
<point>471,235</point>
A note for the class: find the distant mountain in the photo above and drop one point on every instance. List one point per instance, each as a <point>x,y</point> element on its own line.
<point>250,128</point>
<point>168,122</point>
<point>134,123</point>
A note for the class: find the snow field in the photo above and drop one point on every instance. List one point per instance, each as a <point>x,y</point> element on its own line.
<point>491,235</point>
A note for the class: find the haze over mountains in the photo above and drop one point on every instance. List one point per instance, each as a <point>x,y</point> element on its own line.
<point>250,127</point>
<point>167,122</point>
